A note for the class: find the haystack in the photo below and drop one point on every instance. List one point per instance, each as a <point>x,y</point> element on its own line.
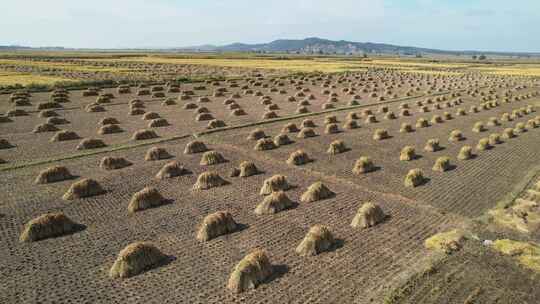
<point>274,203</point>
<point>282,140</point>
<point>405,112</point>
<point>306,133</point>
<point>456,136</point>
<point>390,116</point>
<point>45,127</point>
<point>414,178</point>
<point>216,224</point>
<point>493,122</point>
<point>327,106</point>
<point>363,165</point>
<point>520,128</point>
<point>200,110</point>
<point>148,197</point>
<point>210,158</point>
<point>436,119</point>
<point>170,170</point>
<point>290,128</point>
<point>479,127</point>
<point>207,180</point>
<point>532,124</point>
<point>508,133</point>
<point>64,135</point>
<point>308,123</point>
<point>94,108</point>
<point>144,135</point>
<point>273,184</point>
<point>156,153</point>
<point>423,109</point>
<point>158,123</point>
<point>495,139</point>
<point>215,124</point>
<point>465,153</point>
<point>48,113</point>
<point>380,134</point>
<point>90,143</point>
<point>319,239</point>
<point>483,144</point>
<point>53,174</point>
<point>190,106</point>
<point>136,103</point>
<point>406,128</point>
<point>204,117</point>
<point>110,129</point>
<point>264,144</point>
<point>113,163</point>
<point>256,134</point>
<point>351,124</point>
<point>316,192</point>
<point>272,106</point>
<point>331,128</point>
<point>169,102</point>
<point>331,119</point>
<point>247,169</point>
<point>298,158</point>
<point>47,226</point>
<point>432,145</point>
<point>253,270</point>
<point>337,147</point>
<point>407,153</point>
<point>270,115</point>
<point>195,147</point>
<point>136,258</point>
<point>238,112</point>
<point>137,111</point>
<point>370,119</point>
<point>422,123</point>
<point>84,188</point>
<point>368,215</point>
<point>442,164</point>
<point>150,116</point>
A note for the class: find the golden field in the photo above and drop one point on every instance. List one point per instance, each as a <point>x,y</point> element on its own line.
<point>49,68</point>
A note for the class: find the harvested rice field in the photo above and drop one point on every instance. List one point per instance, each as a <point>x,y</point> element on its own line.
<point>382,181</point>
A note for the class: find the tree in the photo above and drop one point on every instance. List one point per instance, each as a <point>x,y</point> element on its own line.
<point>474,57</point>
<point>482,57</point>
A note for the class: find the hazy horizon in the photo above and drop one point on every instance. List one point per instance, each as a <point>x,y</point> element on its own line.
<point>480,25</point>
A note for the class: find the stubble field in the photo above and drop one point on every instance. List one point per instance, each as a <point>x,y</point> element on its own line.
<point>385,263</point>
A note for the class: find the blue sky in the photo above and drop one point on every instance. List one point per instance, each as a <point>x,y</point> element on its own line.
<point>445,24</point>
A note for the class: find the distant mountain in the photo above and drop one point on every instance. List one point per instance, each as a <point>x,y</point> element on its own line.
<point>306,46</point>
<point>324,46</point>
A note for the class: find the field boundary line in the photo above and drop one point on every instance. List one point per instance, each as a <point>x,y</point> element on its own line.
<point>520,187</point>
<point>109,149</point>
